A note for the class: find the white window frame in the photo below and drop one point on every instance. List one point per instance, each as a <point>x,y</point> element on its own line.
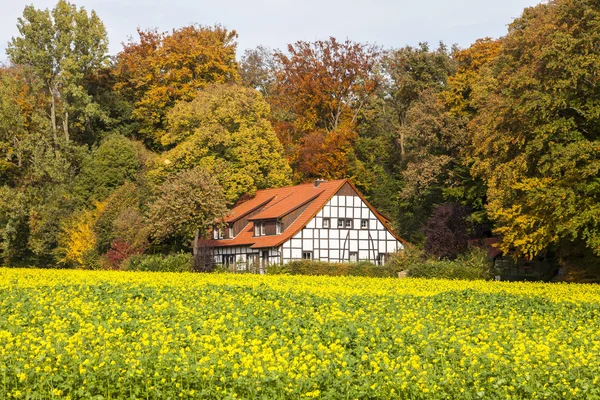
<point>263,229</point>
<point>278,228</point>
<point>257,229</point>
<point>326,223</point>
<point>340,223</point>
<point>348,223</point>
<point>352,255</point>
<point>309,253</point>
<point>364,224</point>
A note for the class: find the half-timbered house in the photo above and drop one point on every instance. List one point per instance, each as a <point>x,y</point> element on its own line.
<point>325,220</point>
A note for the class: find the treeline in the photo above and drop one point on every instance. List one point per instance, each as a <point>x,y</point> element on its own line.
<point>104,157</point>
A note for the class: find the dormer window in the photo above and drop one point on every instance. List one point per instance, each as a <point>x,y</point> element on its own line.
<point>260,228</point>
<point>218,233</point>
<point>279,228</point>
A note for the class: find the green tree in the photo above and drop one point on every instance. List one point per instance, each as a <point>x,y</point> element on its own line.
<point>113,163</point>
<point>536,137</point>
<point>61,47</point>
<point>226,129</point>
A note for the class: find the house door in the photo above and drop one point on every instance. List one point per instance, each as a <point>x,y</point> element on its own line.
<point>265,261</point>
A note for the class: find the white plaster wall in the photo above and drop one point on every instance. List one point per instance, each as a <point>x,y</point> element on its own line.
<point>335,244</point>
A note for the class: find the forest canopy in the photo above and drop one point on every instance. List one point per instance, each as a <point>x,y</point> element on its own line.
<point>136,152</point>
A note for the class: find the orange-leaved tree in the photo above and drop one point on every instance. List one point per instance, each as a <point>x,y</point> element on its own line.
<point>320,90</point>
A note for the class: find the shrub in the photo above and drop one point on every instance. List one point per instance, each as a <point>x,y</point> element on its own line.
<point>315,267</point>
<point>181,262</point>
<point>471,265</point>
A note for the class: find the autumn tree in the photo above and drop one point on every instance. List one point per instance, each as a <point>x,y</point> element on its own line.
<point>226,130</point>
<point>61,47</point>
<point>186,206</point>
<point>161,69</point>
<point>258,68</point>
<point>536,136</point>
<point>320,90</point>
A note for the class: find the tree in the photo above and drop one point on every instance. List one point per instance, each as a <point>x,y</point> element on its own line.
<point>320,90</point>
<point>77,242</point>
<point>447,231</point>
<point>113,163</point>
<point>225,129</point>
<point>21,115</point>
<point>186,206</point>
<point>162,69</point>
<point>62,46</point>
<point>536,137</point>
<point>258,69</point>
<point>409,72</point>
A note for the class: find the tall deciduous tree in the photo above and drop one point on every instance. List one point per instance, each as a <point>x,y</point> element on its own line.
<point>226,129</point>
<point>162,69</point>
<point>536,137</point>
<point>62,46</point>
<point>411,70</point>
<point>320,90</point>
<point>186,206</point>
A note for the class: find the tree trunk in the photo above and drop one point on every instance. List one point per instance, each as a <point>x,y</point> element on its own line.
<point>195,245</point>
<point>66,125</point>
<point>402,151</point>
<point>53,113</point>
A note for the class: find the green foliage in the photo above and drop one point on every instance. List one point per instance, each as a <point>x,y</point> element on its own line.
<point>181,262</point>
<point>536,135</point>
<point>314,267</point>
<point>61,47</point>
<point>108,167</point>
<point>474,264</point>
<point>226,130</point>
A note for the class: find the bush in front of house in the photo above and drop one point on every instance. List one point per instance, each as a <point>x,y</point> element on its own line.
<point>474,264</point>
<point>315,267</point>
<point>180,262</point>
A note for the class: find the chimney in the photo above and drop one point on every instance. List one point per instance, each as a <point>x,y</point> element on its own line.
<point>318,182</point>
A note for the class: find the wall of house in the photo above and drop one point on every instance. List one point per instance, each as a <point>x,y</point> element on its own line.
<point>334,244</point>
<point>244,254</point>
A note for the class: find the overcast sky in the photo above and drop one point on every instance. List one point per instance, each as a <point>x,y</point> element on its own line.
<point>274,23</point>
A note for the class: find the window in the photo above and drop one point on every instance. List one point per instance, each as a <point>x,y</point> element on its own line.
<point>257,229</point>
<point>381,259</point>
<point>228,259</point>
<point>230,232</point>
<point>215,233</point>
<point>307,255</point>
<point>345,223</point>
<point>353,257</point>
<point>364,224</point>
<point>262,228</point>
<point>279,228</point>
<point>326,223</point>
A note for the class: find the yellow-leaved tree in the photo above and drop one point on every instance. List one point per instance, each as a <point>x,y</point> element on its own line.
<point>77,241</point>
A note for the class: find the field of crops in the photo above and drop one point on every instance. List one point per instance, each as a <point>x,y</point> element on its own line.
<point>113,335</point>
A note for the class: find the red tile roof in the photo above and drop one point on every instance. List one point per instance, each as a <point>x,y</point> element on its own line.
<point>278,202</point>
<point>292,201</point>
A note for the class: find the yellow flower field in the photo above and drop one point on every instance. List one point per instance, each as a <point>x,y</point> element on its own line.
<point>113,335</point>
